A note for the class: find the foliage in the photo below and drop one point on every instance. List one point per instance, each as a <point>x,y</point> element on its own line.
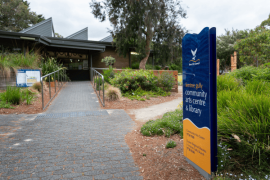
<point>130,80</point>
<point>177,67</point>
<point>243,125</point>
<point>169,124</point>
<point>248,73</point>
<point>142,95</point>
<point>166,81</point>
<point>108,74</point>
<point>229,83</point>
<point>113,93</point>
<point>170,144</point>
<point>58,35</point>
<point>157,67</point>
<point>15,95</point>
<point>50,65</point>
<point>255,48</point>
<point>12,62</point>
<point>98,83</point>
<point>12,95</point>
<point>37,86</point>
<point>225,47</point>
<point>3,104</point>
<point>148,67</point>
<point>106,86</point>
<point>135,65</point>
<point>16,15</point>
<point>154,23</point>
<point>108,60</point>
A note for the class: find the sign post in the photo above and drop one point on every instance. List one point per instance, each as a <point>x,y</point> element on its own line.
<point>200,100</point>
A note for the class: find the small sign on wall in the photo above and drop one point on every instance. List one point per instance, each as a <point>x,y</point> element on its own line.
<point>27,77</point>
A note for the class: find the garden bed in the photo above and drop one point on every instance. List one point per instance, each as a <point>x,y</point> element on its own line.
<point>157,162</point>
<point>35,107</point>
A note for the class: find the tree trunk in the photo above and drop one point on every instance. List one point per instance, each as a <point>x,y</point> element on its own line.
<point>147,47</point>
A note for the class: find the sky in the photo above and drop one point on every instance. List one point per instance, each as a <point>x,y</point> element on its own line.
<point>70,16</point>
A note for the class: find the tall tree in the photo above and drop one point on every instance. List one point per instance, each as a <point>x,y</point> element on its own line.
<point>225,46</point>
<point>255,48</point>
<point>138,23</point>
<point>15,15</point>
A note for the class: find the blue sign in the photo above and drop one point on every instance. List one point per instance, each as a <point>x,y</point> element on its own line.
<point>27,77</point>
<point>200,100</point>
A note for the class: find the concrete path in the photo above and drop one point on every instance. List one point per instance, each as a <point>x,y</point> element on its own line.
<point>74,139</point>
<point>155,111</point>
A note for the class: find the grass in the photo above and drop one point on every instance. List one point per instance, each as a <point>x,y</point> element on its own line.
<point>15,61</point>
<point>14,96</point>
<point>142,95</point>
<point>170,144</point>
<point>169,124</point>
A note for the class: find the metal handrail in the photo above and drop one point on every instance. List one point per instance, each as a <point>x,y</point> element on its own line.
<point>53,73</point>
<point>95,74</point>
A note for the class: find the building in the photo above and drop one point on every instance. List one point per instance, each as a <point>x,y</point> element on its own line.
<point>76,52</point>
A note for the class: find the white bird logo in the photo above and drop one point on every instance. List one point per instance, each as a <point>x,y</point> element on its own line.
<point>194,53</point>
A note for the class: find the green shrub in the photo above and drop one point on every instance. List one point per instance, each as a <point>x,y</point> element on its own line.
<point>37,86</point>
<point>12,95</point>
<point>113,93</point>
<point>149,67</point>
<point>108,60</point>
<point>108,74</point>
<point>135,65</point>
<point>166,81</point>
<point>243,126</point>
<point>157,67</point>
<point>257,87</point>
<point>170,144</point>
<point>129,80</point>
<point>225,82</point>
<point>175,67</point>
<point>170,123</point>
<point>245,73</point>
<point>98,83</point>
<point>140,94</point>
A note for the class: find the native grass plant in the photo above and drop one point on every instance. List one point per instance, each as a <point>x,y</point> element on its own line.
<point>50,65</point>
<point>108,60</point>
<point>130,80</point>
<point>141,95</point>
<point>108,74</point>
<point>37,86</point>
<point>166,81</point>
<point>12,62</point>
<point>225,82</point>
<point>15,96</point>
<point>170,144</point>
<point>112,93</point>
<point>244,128</point>
<point>170,124</point>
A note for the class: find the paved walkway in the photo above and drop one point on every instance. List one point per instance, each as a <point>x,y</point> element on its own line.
<point>74,139</point>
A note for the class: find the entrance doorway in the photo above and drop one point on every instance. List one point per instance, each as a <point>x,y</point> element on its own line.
<point>77,69</point>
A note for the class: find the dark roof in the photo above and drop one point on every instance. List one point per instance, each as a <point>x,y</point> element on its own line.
<point>82,34</point>
<point>44,28</point>
<point>107,39</point>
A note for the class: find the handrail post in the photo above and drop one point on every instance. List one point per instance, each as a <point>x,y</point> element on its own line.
<point>54,83</point>
<point>42,93</point>
<point>99,84</point>
<point>103,91</point>
<point>58,79</point>
<point>50,85</point>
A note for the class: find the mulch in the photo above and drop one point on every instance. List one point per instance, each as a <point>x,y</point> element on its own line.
<point>36,106</point>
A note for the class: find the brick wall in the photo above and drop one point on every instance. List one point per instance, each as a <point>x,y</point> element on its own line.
<point>120,63</point>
